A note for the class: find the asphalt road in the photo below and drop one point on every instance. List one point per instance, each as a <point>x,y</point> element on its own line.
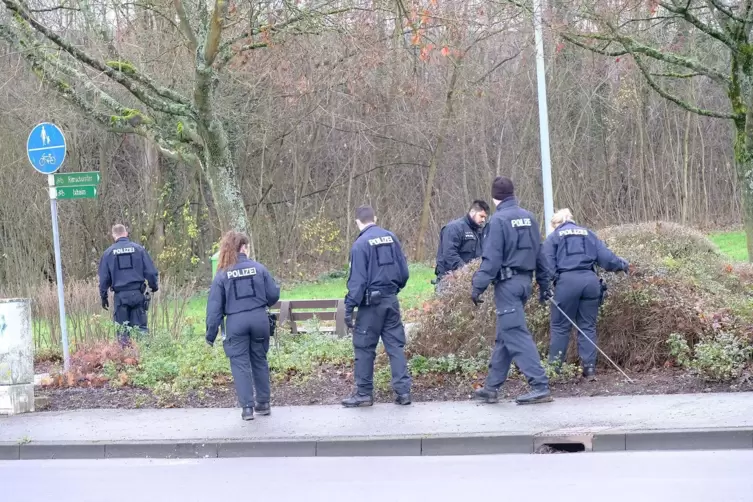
<point>624,476</point>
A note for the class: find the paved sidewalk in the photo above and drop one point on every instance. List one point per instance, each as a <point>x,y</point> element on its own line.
<point>686,421</point>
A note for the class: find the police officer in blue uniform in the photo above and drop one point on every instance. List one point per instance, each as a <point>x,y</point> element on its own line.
<point>241,292</point>
<point>460,240</point>
<point>127,268</point>
<point>378,271</point>
<point>510,257</point>
<point>573,253</point>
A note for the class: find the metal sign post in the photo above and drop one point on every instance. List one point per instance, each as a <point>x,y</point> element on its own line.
<point>46,150</point>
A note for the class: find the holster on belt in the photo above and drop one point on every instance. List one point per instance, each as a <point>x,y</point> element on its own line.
<point>504,274</point>
<point>372,298</point>
<point>603,294</point>
<point>272,323</point>
<point>147,295</point>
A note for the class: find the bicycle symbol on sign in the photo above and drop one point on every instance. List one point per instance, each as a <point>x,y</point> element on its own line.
<point>46,159</point>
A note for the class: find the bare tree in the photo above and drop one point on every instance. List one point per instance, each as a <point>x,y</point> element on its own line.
<point>180,117</point>
<point>674,42</point>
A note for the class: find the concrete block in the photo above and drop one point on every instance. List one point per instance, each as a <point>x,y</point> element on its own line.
<point>267,449</point>
<point>161,450</point>
<point>369,448</point>
<point>48,451</point>
<point>609,442</point>
<point>9,452</point>
<point>16,357</point>
<point>15,399</point>
<point>487,445</point>
<point>702,439</point>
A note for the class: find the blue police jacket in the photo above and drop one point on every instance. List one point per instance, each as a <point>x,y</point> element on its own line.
<point>571,247</point>
<point>513,241</point>
<point>124,267</point>
<point>460,242</point>
<point>377,263</point>
<point>245,286</point>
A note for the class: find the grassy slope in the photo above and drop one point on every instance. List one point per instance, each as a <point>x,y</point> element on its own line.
<point>419,288</point>
<point>732,244</point>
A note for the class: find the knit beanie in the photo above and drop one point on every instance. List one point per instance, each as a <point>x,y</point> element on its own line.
<point>502,188</point>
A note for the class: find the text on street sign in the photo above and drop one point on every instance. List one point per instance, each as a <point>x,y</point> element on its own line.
<point>75,179</point>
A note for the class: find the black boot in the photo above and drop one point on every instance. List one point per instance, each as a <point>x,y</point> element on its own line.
<point>403,399</point>
<point>589,373</point>
<point>357,399</point>
<point>262,409</point>
<point>247,413</point>
<point>489,396</point>
<point>535,396</point>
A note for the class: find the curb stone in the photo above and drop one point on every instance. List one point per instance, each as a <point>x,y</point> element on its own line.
<point>486,444</point>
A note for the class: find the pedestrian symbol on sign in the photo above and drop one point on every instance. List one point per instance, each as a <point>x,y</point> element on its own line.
<point>45,138</point>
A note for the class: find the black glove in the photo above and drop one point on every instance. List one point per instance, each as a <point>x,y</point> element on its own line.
<point>475,298</point>
<point>545,295</point>
<point>625,266</point>
<point>209,340</point>
<point>105,303</point>
<point>349,319</point>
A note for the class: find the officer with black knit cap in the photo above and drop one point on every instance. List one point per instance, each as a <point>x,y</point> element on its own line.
<point>509,259</point>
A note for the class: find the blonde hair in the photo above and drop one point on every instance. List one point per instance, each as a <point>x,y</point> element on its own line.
<point>561,217</point>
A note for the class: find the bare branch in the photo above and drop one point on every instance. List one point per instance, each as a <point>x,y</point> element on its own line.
<point>677,75</point>
<point>271,29</point>
<point>54,9</point>
<point>214,35</point>
<point>671,97</point>
<point>716,4</point>
<point>704,27</point>
<point>124,77</point>
<point>496,67</point>
<point>185,25</point>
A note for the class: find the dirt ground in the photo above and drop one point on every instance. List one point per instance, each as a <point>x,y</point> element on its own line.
<point>330,385</point>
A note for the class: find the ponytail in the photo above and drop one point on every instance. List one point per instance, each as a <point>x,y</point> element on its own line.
<point>230,246</point>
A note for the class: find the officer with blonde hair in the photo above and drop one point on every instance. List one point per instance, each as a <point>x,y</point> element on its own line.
<point>572,253</point>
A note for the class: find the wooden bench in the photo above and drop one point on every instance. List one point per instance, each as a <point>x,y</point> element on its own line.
<point>294,311</point>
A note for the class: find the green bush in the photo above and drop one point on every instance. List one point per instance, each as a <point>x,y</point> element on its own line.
<point>297,357</point>
<point>721,357</point>
<point>718,357</point>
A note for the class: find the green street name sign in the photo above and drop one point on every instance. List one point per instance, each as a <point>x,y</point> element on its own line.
<point>75,179</point>
<point>83,192</point>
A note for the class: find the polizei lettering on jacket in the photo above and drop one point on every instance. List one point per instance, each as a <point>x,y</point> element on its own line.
<point>470,236</point>
<point>521,222</point>
<point>573,231</point>
<point>124,251</point>
<point>244,272</point>
<point>381,240</point>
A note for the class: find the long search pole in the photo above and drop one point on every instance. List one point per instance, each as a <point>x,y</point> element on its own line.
<point>546,161</point>
<point>59,274</point>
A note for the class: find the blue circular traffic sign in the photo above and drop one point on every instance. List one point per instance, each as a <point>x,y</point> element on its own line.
<point>46,148</point>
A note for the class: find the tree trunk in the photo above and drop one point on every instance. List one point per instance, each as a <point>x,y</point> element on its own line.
<point>223,181</point>
<point>686,168</point>
<point>424,225</point>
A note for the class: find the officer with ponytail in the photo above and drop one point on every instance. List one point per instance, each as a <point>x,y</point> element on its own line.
<point>240,294</point>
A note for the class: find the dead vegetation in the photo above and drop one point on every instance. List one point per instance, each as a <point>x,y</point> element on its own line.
<point>679,285</point>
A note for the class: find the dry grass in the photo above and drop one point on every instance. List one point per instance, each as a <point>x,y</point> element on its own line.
<point>89,324</point>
